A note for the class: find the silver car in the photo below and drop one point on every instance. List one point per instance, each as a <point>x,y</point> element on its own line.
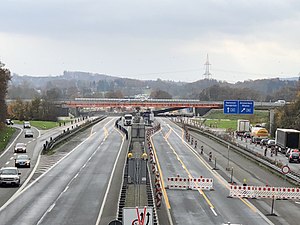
<point>20,147</point>
<point>10,175</point>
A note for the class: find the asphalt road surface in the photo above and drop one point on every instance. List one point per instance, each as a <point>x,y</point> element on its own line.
<point>177,157</point>
<point>74,191</point>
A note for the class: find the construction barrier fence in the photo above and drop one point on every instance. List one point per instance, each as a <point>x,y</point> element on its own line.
<point>181,183</point>
<point>237,191</point>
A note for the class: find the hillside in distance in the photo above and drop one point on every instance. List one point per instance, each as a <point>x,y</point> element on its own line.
<point>83,84</point>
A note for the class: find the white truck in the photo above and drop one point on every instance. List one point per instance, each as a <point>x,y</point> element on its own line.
<point>128,118</point>
<point>287,138</point>
<point>243,126</point>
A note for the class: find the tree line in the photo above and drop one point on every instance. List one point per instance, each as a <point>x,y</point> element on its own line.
<point>4,79</point>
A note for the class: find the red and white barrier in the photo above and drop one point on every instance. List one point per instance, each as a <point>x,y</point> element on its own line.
<point>178,183</point>
<point>190,183</point>
<point>237,191</point>
<point>201,183</point>
<point>242,191</point>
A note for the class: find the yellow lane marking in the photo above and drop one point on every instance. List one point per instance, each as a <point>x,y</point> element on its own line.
<point>168,134</point>
<point>161,175</point>
<point>214,173</point>
<point>190,175</point>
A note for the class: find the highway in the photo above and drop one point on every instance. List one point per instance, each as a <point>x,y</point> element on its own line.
<point>176,157</point>
<point>34,147</point>
<point>83,186</point>
<point>75,189</point>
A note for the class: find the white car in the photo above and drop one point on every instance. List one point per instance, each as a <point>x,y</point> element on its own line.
<point>26,124</point>
<point>20,147</point>
<point>10,175</point>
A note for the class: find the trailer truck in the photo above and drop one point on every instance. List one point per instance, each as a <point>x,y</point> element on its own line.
<point>287,138</point>
<point>243,126</point>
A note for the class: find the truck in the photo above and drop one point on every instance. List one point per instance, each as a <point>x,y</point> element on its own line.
<point>128,118</point>
<point>243,126</point>
<point>258,133</point>
<point>287,138</point>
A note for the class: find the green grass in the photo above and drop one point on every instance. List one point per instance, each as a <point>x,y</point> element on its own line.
<point>217,119</point>
<point>259,116</point>
<point>218,123</point>
<point>5,136</point>
<point>41,125</point>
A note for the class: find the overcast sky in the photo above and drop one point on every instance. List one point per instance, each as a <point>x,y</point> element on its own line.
<point>150,39</point>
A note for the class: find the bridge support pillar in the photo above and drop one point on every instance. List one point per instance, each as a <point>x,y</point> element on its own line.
<point>272,122</point>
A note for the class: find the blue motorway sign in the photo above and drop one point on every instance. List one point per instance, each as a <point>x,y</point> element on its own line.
<point>231,107</point>
<point>238,107</point>
<point>246,107</point>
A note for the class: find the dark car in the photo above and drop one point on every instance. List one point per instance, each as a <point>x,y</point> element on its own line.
<point>9,122</point>
<point>294,157</point>
<point>22,161</point>
<point>28,133</point>
<point>247,135</point>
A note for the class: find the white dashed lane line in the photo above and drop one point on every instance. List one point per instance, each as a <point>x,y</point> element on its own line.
<point>11,158</point>
<point>7,163</point>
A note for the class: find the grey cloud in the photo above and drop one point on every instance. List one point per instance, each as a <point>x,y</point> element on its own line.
<point>171,19</point>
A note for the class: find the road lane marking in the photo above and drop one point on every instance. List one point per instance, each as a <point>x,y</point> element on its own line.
<point>24,186</point>
<point>168,134</point>
<point>110,179</point>
<point>11,158</point>
<point>161,175</point>
<point>214,212</point>
<point>51,207</point>
<point>66,188</point>
<point>190,176</point>
<point>7,163</point>
<point>222,180</point>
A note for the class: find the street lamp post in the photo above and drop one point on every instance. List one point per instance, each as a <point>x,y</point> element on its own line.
<point>228,168</point>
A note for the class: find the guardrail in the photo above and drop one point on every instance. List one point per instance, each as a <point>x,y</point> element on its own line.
<point>66,134</point>
<point>121,128</point>
<point>226,140</point>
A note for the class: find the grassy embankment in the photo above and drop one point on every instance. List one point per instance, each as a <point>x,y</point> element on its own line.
<point>5,136</point>
<point>7,133</point>
<point>216,118</point>
<point>41,125</point>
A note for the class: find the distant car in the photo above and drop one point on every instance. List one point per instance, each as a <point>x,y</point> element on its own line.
<point>28,133</point>
<point>22,161</point>
<point>9,122</point>
<point>20,147</point>
<point>271,143</point>
<point>264,141</point>
<point>10,175</point>
<point>290,151</point>
<point>26,124</point>
<point>294,157</point>
<point>280,102</point>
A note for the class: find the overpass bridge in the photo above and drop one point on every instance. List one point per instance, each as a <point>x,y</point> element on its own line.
<point>155,103</point>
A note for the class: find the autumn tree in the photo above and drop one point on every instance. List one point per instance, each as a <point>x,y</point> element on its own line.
<point>159,94</point>
<point>289,115</point>
<point>4,79</point>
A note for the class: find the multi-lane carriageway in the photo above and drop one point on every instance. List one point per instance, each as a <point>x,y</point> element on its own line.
<point>83,186</point>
